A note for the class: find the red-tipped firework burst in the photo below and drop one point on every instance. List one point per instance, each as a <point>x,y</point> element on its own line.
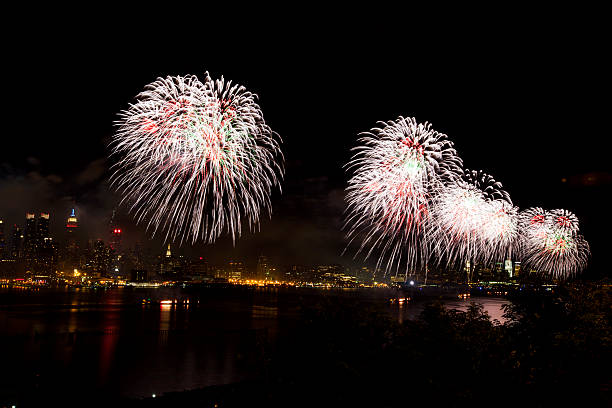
<point>397,170</point>
<point>473,220</point>
<point>551,243</point>
<point>196,159</point>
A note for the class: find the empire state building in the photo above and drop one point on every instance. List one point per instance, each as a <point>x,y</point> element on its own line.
<point>72,247</point>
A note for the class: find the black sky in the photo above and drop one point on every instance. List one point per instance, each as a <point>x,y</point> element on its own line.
<point>524,98</point>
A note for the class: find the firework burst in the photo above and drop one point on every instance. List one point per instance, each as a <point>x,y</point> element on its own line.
<point>396,171</point>
<point>551,243</point>
<point>195,159</point>
<point>473,220</point>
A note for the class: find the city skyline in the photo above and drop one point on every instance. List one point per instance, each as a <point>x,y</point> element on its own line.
<point>34,254</point>
<point>69,229</point>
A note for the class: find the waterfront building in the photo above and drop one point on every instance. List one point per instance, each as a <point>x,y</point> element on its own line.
<point>263,270</point>
<point>236,270</point>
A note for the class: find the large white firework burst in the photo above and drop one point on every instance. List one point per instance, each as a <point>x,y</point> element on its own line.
<point>397,169</point>
<point>551,244</point>
<point>473,220</point>
<point>195,158</point>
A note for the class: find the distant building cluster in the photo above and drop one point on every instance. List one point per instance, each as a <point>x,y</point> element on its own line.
<point>31,253</point>
<point>30,246</point>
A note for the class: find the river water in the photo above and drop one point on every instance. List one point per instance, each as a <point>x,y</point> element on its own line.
<point>129,342</point>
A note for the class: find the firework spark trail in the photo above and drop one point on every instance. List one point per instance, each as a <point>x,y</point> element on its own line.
<point>396,170</point>
<point>550,242</point>
<point>473,220</point>
<point>196,158</point>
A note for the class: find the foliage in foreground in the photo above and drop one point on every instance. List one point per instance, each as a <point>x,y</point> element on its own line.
<point>552,350</point>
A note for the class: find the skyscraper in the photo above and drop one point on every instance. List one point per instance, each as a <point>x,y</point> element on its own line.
<point>116,251</point>
<point>115,242</point>
<point>17,242</point>
<point>236,270</point>
<point>45,253</point>
<point>29,237</point>
<point>171,266</point>
<point>72,247</point>
<point>263,268</point>
<point>101,258</point>
<point>115,230</point>
<point>72,223</point>
<point>199,270</point>
<point>42,228</point>
<point>2,240</point>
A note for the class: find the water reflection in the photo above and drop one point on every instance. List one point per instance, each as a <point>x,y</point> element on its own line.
<point>107,349</point>
<point>493,306</point>
<point>411,309</point>
<point>264,312</point>
<point>165,310</point>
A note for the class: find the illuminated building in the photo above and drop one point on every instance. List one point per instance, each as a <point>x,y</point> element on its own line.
<point>2,240</point>
<point>499,268</point>
<point>46,256</point>
<point>115,242</point>
<point>468,269</point>
<point>366,275</point>
<point>116,250</point>
<point>170,266</point>
<point>329,270</point>
<point>72,223</point>
<point>138,254</point>
<point>517,268</point>
<point>17,243</point>
<point>29,237</point>
<point>101,258</point>
<point>42,228</point>
<point>508,267</point>
<point>263,271</point>
<point>236,270</point>
<point>72,247</point>
<point>34,245</point>
<point>135,258</point>
<point>8,265</point>
<point>199,270</point>
<point>220,272</point>
<point>294,273</point>
<point>139,275</point>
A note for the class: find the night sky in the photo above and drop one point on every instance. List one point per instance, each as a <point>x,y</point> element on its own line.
<point>525,100</point>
